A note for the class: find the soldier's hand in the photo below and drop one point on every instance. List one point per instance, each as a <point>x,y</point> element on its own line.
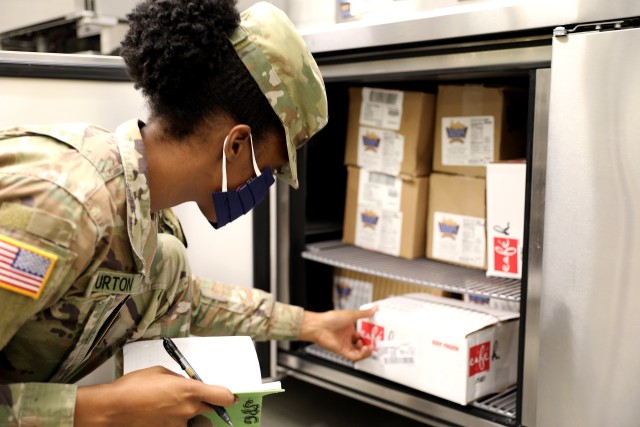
<point>149,397</point>
<point>335,330</point>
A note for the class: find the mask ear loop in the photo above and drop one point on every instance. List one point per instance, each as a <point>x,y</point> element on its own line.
<point>256,170</point>
<point>224,165</point>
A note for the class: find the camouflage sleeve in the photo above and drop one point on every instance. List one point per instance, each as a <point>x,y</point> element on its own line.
<point>37,404</point>
<point>43,229</point>
<point>222,309</point>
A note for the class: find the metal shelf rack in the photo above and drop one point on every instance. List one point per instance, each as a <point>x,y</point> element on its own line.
<point>421,271</point>
<point>503,403</point>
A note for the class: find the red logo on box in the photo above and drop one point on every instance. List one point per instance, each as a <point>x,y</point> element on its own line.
<point>479,358</point>
<point>505,257</point>
<point>371,333</point>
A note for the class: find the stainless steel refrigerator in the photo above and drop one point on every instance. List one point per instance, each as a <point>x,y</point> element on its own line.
<point>579,362</point>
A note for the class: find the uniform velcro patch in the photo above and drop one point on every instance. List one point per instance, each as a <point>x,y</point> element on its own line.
<point>24,269</point>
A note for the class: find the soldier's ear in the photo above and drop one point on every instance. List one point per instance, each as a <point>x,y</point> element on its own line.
<point>238,140</point>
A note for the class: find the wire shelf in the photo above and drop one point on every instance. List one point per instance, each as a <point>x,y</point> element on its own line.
<point>316,350</point>
<point>503,403</point>
<point>421,271</point>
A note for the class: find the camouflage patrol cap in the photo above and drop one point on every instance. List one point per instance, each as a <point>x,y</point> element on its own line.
<point>280,62</point>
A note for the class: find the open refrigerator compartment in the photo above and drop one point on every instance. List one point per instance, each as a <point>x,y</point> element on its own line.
<point>311,362</point>
<point>428,273</point>
<point>318,239</point>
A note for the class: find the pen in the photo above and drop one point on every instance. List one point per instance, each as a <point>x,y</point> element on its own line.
<point>176,355</point>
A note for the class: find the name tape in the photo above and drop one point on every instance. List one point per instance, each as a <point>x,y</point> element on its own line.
<point>116,282</point>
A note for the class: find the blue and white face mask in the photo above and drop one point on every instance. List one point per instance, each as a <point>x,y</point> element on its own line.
<point>232,204</point>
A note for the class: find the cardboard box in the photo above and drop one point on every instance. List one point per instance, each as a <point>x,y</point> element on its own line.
<point>390,131</point>
<point>456,231</point>
<point>476,125</point>
<point>352,289</point>
<point>386,214</point>
<point>506,185</point>
<point>497,303</point>
<point>441,346</point>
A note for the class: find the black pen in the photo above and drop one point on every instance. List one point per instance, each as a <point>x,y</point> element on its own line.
<point>178,357</point>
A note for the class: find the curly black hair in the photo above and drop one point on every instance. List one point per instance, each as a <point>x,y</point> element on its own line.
<point>178,52</point>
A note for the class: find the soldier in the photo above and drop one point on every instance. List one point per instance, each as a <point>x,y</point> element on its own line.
<point>91,255</point>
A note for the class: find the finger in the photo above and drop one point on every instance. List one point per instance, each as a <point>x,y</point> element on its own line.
<point>356,354</point>
<point>158,370</point>
<point>214,395</point>
<point>357,342</point>
<point>360,314</point>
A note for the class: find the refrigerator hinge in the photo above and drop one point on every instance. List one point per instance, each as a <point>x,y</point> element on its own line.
<point>591,27</point>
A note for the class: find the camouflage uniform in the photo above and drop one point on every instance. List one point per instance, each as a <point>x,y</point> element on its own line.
<point>102,269</point>
<point>78,194</point>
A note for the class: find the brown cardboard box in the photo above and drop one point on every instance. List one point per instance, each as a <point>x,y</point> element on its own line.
<point>476,125</point>
<point>456,228</point>
<point>351,289</point>
<point>390,136</point>
<point>386,214</point>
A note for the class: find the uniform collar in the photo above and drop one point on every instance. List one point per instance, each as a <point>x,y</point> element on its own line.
<point>141,224</point>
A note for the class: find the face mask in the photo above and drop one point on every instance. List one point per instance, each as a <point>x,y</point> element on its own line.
<point>230,205</point>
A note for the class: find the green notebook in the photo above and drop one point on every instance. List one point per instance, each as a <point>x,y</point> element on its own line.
<point>228,361</point>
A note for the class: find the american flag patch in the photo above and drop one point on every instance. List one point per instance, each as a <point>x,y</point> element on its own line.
<point>24,269</point>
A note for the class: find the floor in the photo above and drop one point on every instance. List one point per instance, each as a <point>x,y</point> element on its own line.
<point>306,405</point>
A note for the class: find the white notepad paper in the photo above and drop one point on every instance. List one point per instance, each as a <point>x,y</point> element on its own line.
<point>228,361</point>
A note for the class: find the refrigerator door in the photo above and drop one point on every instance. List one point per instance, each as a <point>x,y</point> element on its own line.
<point>589,369</point>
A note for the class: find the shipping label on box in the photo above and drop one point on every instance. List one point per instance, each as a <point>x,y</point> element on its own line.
<point>380,150</point>
<point>476,125</point>
<point>456,226</point>
<point>379,230</point>
<point>390,131</point>
<point>448,348</point>
<point>459,239</point>
<point>467,141</point>
<point>506,184</point>
<point>379,189</point>
<point>381,108</point>
<point>379,225</point>
<point>384,213</point>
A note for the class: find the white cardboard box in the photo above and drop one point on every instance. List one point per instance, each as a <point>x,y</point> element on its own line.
<point>506,184</point>
<point>448,348</point>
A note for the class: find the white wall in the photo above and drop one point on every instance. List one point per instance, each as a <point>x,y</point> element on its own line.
<point>45,101</point>
<point>225,254</point>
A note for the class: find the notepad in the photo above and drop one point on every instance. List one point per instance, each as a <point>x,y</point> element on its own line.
<point>228,361</point>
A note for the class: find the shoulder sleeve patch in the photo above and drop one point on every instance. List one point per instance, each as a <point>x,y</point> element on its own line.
<point>24,269</point>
